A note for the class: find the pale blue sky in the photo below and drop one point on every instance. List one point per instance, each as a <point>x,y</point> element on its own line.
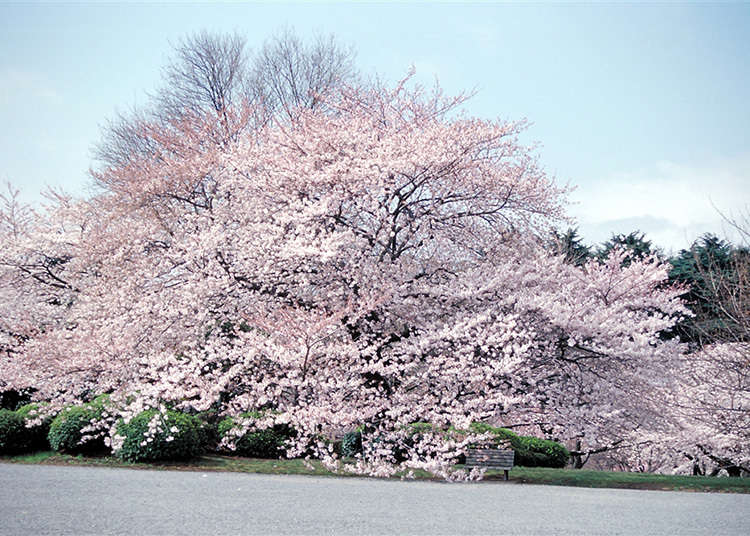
<point>644,107</point>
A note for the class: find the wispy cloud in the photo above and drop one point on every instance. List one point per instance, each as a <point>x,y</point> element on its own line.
<point>673,203</point>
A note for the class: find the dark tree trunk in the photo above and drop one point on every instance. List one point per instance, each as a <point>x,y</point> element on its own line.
<point>577,457</point>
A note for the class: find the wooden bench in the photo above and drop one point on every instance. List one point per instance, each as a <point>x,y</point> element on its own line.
<point>491,459</point>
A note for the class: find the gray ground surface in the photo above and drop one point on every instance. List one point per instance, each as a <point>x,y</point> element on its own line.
<point>38,500</point>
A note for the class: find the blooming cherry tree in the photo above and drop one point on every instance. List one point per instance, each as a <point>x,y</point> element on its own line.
<point>376,261</point>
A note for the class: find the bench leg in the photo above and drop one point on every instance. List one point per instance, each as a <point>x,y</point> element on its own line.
<point>506,474</point>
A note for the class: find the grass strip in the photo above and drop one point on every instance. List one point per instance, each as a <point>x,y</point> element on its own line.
<point>620,479</point>
<point>519,475</point>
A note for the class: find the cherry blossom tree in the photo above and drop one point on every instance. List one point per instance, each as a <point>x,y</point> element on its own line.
<point>713,404</point>
<point>603,355</point>
<point>704,420</point>
<point>376,261</point>
<point>37,280</point>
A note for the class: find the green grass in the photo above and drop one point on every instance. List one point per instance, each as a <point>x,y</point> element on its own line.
<point>615,479</point>
<point>519,475</point>
<point>204,463</point>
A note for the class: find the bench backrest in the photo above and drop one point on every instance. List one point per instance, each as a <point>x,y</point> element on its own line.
<point>490,458</point>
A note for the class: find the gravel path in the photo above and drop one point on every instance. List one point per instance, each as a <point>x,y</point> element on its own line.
<point>40,500</point>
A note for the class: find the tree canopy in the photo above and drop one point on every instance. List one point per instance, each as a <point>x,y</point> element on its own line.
<point>371,257</point>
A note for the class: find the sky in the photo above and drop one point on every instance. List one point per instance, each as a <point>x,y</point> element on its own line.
<point>642,107</point>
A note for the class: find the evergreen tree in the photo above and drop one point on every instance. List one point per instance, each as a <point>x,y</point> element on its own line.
<point>635,243</point>
<point>570,245</point>
<point>711,270</point>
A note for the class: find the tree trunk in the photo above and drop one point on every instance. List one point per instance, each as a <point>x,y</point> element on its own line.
<point>576,457</point>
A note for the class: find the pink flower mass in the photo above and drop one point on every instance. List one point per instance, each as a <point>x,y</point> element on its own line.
<point>375,262</point>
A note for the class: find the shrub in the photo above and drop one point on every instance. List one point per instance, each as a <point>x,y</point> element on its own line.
<point>351,443</point>
<point>401,449</point>
<point>158,436</point>
<point>500,435</point>
<point>542,453</point>
<point>38,432</point>
<point>74,430</point>
<point>209,430</point>
<point>15,438</point>
<point>530,451</point>
<point>264,443</point>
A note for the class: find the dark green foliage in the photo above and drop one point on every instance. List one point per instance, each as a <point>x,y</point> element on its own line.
<point>15,438</point>
<point>500,435</point>
<point>570,245</point>
<point>13,399</point>
<point>416,429</point>
<point>177,437</point>
<point>711,271</point>
<point>415,432</point>
<point>337,446</point>
<point>65,430</point>
<point>535,452</point>
<point>265,443</point>
<point>209,434</point>
<point>351,444</point>
<point>530,451</point>
<point>635,243</point>
<point>209,430</point>
<point>40,431</point>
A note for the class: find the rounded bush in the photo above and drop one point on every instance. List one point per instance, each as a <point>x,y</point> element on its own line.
<point>542,453</point>
<point>15,438</point>
<point>530,451</point>
<point>155,436</point>
<point>67,430</point>
<point>500,435</point>
<point>38,432</point>
<point>266,443</point>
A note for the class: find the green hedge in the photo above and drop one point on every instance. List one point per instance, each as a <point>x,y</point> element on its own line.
<point>65,430</point>
<point>266,443</point>
<point>177,436</point>
<point>537,452</point>
<point>15,438</point>
<point>40,431</point>
<point>530,451</point>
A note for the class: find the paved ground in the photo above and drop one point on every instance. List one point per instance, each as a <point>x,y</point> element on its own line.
<point>39,500</point>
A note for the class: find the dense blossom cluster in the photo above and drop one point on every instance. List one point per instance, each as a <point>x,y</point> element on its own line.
<point>372,263</point>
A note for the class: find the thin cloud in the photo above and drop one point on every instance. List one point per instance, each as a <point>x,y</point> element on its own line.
<point>673,203</point>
